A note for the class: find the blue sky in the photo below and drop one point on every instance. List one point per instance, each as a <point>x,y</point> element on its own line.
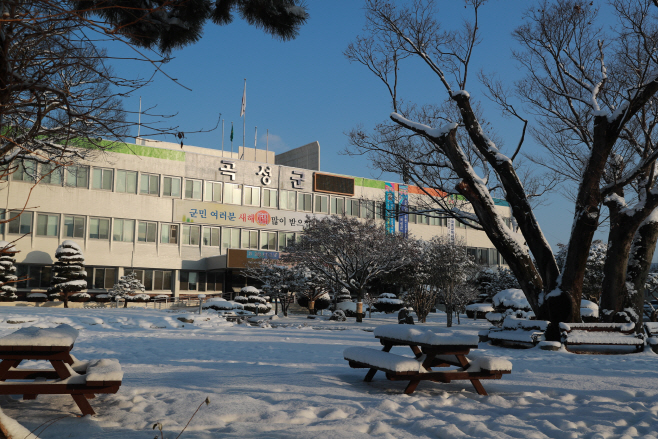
<point>306,90</point>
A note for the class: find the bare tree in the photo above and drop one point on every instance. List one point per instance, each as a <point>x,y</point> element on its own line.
<point>349,252</point>
<point>279,281</point>
<point>567,79</point>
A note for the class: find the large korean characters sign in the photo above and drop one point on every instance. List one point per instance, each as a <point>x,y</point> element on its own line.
<point>201,212</point>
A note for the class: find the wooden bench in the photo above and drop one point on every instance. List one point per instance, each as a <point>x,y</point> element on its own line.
<point>80,379</point>
<point>588,337</point>
<point>518,333</point>
<point>431,351</point>
<point>652,335</point>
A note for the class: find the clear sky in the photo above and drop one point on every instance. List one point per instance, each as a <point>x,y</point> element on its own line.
<point>305,90</point>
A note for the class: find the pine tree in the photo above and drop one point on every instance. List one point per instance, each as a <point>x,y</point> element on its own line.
<point>127,285</point>
<point>7,271</point>
<point>69,271</point>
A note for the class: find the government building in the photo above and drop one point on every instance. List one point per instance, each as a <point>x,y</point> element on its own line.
<point>186,220</point>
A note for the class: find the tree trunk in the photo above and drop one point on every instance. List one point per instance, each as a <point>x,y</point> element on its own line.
<point>639,261</point>
<point>449,312</point>
<point>615,296</point>
<point>66,300</point>
<point>277,299</point>
<point>311,307</point>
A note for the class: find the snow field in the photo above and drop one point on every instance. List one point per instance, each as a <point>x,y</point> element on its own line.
<point>291,381</point>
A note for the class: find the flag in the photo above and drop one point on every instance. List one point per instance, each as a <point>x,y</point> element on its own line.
<point>231,131</point>
<point>244,99</point>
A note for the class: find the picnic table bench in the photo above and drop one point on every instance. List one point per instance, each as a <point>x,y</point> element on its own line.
<point>652,335</point>
<point>431,350</point>
<point>518,333</point>
<point>616,336</point>
<point>80,379</point>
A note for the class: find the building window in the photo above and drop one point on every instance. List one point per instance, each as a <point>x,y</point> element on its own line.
<point>150,184</point>
<point>124,230</point>
<point>232,193</point>
<point>193,189</point>
<point>211,236</point>
<point>2,217</point>
<point>101,278</point>
<point>77,176</point>
<point>99,228</point>
<point>190,235</point>
<point>321,204</point>
<point>40,276</point>
<point>22,224</point>
<point>74,227</point>
<point>213,191</point>
<point>213,281</point>
<point>146,232</point>
<point>268,240</point>
<point>26,171</point>
<point>153,280</point>
<point>230,238</point>
<point>337,206</point>
<point>102,179</point>
<point>22,275</point>
<point>169,234</point>
<point>250,239</point>
<point>351,207</point>
<point>51,174</point>
<point>380,208</point>
<point>171,187</point>
<point>305,202</point>
<point>47,225</point>
<point>368,209</point>
<point>269,198</point>
<point>251,196</point>
<point>460,224</point>
<point>285,240</point>
<point>288,200</point>
<point>127,182</point>
<point>189,280</point>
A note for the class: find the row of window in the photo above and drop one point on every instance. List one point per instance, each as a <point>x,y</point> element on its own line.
<point>124,230</point>
<point>100,278</point>
<point>219,192</point>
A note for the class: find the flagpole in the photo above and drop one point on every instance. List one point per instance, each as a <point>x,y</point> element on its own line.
<point>267,145</point>
<point>139,118</point>
<point>244,117</point>
<point>222,137</point>
<point>255,140</point>
<point>231,139</point>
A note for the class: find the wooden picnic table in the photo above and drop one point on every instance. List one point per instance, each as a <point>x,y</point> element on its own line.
<point>80,379</point>
<point>431,351</point>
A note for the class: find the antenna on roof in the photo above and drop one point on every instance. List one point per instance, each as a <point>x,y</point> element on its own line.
<point>139,117</point>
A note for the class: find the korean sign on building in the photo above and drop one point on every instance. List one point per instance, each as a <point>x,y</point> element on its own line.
<point>201,212</point>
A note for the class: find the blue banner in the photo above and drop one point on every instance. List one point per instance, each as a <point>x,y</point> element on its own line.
<point>257,254</point>
<point>404,209</point>
<point>389,213</point>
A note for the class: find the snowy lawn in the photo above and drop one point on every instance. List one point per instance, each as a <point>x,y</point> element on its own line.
<point>292,382</point>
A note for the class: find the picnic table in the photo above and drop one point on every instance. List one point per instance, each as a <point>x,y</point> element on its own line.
<point>80,379</point>
<point>430,351</point>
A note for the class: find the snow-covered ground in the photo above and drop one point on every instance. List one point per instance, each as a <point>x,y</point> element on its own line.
<point>291,381</point>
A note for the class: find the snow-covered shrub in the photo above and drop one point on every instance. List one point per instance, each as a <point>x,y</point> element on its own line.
<point>511,302</point>
<point>252,301</point>
<point>491,282</point>
<point>343,296</point>
<point>7,272</point>
<point>478,310</point>
<point>102,298</point>
<point>250,291</point>
<point>221,305</point>
<point>55,297</point>
<point>69,275</point>
<point>79,297</point>
<point>338,316</point>
<point>37,297</point>
<point>125,287</point>
<point>241,299</point>
<point>589,311</point>
<point>140,298</point>
<point>349,308</point>
<point>162,296</point>
<point>405,317</point>
<point>322,302</point>
<point>388,303</point>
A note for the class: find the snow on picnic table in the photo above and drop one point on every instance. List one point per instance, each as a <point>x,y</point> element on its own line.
<point>291,381</point>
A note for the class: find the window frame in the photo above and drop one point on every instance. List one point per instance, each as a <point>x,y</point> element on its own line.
<point>211,191</point>
<point>48,218</point>
<point>19,220</point>
<point>193,181</point>
<point>124,222</point>
<point>255,200</point>
<point>249,233</point>
<point>171,178</point>
<point>103,172</point>
<point>99,219</point>
<point>270,192</point>
<point>320,197</point>
<point>265,234</point>
<point>228,234</point>
<point>169,227</point>
<point>189,235</point>
<point>211,230</point>
<point>47,174</point>
<point>235,188</point>
<point>284,193</point>
<point>149,180</point>
<point>21,173</point>
<point>302,198</point>
<point>126,173</point>
<point>77,184</point>
<point>154,227</point>
<point>74,217</point>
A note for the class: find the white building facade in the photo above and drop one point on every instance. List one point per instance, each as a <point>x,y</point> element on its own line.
<point>185,220</point>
